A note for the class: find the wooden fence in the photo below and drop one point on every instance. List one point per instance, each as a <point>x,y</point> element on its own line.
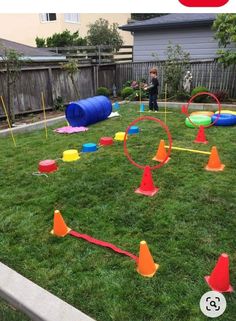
<point>95,54</point>
<point>54,81</point>
<point>209,74</point>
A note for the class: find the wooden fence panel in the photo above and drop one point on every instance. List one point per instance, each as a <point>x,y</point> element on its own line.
<point>27,91</point>
<point>63,86</point>
<point>106,76</point>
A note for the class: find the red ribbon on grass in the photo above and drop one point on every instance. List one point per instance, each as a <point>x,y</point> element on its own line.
<point>90,239</point>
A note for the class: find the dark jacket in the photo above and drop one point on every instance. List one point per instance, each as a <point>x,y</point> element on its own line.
<point>153,88</point>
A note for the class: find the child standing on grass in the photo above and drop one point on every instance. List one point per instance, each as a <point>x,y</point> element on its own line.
<point>153,90</point>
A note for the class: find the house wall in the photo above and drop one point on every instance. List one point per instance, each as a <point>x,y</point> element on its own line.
<point>24,28</point>
<point>198,41</point>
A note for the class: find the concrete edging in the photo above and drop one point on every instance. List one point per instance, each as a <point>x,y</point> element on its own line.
<point>194,106</point>
<point>31,127</point>
<point>34,301</point>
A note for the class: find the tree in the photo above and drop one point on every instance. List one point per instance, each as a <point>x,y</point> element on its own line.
<point>63,39</point>
<point>225,32</point>
<point>144,16</point>
<point>40,42</point>
<point>177,60</point>
<point>101,33</point>
<point>175,67</point>
<point>72,67</point>
<point>12,63</point>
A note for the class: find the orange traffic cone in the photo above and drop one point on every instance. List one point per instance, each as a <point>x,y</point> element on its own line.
<point>214,163</point>
<point>147,186</point>
<point>59,226</point>
<point>161,155</point>
<point>146,265</point>
<point>201,137</point>
<point>219,278</point>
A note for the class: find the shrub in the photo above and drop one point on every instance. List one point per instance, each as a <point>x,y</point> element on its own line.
<point>126,92</point>
<point>134,84</point>
<point>59,104</point>
<point>182,96</point>
<point>104,91</point>
<point>202,98</point>
<point>221,95</point>
<point>40,42</point>
<point>127,83</point>
<point>135,96</point>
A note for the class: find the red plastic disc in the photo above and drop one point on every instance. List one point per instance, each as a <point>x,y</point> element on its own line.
<point>192,99</point>
<point>47,166</point>
<point>163,125</point>
<point>105,141</point>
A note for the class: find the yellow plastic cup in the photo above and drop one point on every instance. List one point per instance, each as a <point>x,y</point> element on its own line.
<point>70,155</point>
<point>120,136</point>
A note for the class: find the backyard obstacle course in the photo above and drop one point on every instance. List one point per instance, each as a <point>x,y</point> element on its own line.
<point>146,266</point>
<point>126,225</point>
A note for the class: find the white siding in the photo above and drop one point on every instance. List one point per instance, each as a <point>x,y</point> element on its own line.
<point>199,42</point>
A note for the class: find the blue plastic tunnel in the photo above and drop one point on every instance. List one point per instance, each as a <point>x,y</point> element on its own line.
<point>88,111</point>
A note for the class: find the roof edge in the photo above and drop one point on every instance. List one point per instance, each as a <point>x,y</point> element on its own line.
<point>41,58</point>
<point>166,25</point>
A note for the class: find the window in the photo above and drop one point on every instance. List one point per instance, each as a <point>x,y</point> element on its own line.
<point>71,17</point>
<point>48,17</point>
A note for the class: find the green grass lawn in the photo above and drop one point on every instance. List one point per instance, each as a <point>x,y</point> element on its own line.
<point>187,225</point>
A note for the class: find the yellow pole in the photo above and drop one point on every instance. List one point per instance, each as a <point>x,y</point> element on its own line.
<point>44,115</point>
<point>8,121</point>
<point>140,98</point>
<point>165,100</point>
<point>189,150</point>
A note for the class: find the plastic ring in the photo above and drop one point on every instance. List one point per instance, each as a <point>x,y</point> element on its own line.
<point>211,95</point>
<point>163,125</point>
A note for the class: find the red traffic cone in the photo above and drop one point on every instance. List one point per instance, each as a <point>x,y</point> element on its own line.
<point>147,186</point>
<point>201,137</point>
<point>219,278</point>
<point>184,109</point>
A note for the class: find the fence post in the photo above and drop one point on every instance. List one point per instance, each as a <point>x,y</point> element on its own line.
<point>94,81</point>
<point>51,86</point>
<point>99,54</point>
